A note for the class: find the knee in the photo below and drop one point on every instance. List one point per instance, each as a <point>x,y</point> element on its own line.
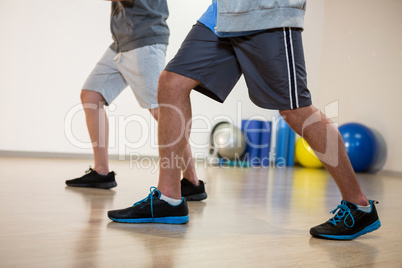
<point>165,87</point>
<point>173,87</point>
<point>164,78</point>
<point>92,97</point>
<point>292,119</point>
<point>296,118</point>
<point>288,115</point>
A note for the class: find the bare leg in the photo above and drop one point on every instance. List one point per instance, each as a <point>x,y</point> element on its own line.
<point>325,139</point>
<point>188,167</point>
<point>174,128</point>
<point>98,128</point>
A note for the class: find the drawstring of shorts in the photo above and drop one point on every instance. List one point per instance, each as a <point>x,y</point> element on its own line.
<point>118,57</point>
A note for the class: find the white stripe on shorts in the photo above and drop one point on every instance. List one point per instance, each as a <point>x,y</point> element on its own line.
<point>291,67</point>
<point>287,58</point>
<point>294,67</point>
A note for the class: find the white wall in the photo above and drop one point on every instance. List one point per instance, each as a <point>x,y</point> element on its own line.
<point>49,48</point>
<point>361,65</point>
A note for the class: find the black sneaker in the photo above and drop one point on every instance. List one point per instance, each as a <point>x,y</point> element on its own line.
<point>152,210</point>
<point>192,192</point>
<point>94,180</point>
<point>348,223</point>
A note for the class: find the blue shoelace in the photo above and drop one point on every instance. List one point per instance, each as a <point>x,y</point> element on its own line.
<point>343,213</point>
<point>151,197</point>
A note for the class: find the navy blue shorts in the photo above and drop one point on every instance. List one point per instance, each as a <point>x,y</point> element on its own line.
<point>271,61</point>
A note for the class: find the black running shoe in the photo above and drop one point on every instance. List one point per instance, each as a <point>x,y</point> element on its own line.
<point>192,192</point>
<point>94,180</point>
<point>348,223</point>
<point>152,210</point>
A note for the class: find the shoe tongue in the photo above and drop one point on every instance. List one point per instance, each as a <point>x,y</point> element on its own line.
<point>350,205</point>
<point>157,194</point>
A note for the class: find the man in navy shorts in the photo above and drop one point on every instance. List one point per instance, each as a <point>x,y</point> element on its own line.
<point>262,40</point>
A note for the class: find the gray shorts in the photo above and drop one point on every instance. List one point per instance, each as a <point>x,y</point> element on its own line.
<point>271,61</point>
<point>139,68</point>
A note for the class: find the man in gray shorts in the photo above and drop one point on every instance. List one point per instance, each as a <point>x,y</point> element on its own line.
<point>262,40</point>
<point>136,58</point>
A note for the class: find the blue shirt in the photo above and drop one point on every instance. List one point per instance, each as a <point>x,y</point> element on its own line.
<point>209,20</point>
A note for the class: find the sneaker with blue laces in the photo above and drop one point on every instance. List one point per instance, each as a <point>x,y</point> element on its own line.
<point>348,223</point>
<point>152,210</point>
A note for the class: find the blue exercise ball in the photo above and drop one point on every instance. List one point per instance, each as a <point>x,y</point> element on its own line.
<point>361,145</point>
<point>381,157</point>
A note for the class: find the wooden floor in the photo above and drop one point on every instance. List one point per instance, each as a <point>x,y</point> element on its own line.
<point>252,218</point>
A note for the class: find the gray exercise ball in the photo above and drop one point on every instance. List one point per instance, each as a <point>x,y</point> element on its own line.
<point>229,141</point>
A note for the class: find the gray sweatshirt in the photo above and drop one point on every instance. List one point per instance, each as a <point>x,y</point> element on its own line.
<point>140,23</point>
<point>250,15</point>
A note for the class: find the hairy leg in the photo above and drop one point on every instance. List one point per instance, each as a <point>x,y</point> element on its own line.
<point>188,167</point>
<point>174,128</point>
<point>325,139</point>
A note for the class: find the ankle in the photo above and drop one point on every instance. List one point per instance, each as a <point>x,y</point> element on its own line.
<point>170,201</point>
<point>358,201</point>
<point>363,204</point>
<point>193,180</point>
<point>170,192</point>
<point>101,170</point>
